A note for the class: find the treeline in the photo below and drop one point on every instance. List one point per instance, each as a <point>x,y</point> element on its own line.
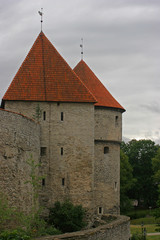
<point>140,174</point>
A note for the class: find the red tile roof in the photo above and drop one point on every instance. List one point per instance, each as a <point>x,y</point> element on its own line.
<point>45,76</point>
<point>103,96</point>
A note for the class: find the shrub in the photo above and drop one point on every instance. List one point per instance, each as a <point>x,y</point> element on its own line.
<point>10,218</point>
<point>14,234</point>
<point>137,236</point>
<point>66,217</point>
<point>51,230</point>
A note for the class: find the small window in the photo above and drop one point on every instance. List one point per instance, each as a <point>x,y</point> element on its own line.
<point>63,181</point>
<point>106,150</point>
<point>61,150</point>
<point>15,136</point>
<point>116,120</point>
<point>44,116</point>
<point>58,103</point>
<point>43,151</point>
<point>100,210</point>
<point>62,116</point>
<point>43,182</point>
<point>115,186</point>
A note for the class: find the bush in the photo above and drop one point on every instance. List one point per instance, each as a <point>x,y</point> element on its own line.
<point>66,217</point>
<point>137,236</point>
<point>51,230</point>
<point>14,234</point>
<point>10,218</point>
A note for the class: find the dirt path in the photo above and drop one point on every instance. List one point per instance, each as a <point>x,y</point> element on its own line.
<point>153,234</point>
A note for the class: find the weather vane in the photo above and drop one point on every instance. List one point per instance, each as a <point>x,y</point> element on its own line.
<point>81,45</point>
<point>41,14</point>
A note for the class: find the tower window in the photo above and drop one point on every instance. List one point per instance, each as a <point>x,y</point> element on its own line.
<point>43,182</point>
<point>62,116</point>
<point>44,115</point>
<point>63,181</point>
<point>61,150</point>
<point>116,120</point>
<point>106,150</point>
<point>43,151</point>
<point>115,186</point>
<point>100,210</point>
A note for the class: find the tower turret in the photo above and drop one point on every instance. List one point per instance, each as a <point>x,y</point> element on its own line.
<point>107,139</point>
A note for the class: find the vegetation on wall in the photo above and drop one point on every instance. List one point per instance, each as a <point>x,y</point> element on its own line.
<point>38,113</point>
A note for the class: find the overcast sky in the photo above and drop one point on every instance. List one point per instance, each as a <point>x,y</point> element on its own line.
<point>121,46</point>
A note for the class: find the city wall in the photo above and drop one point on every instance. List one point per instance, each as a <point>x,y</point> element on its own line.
<point>19,140</point>
<point>116,230</point>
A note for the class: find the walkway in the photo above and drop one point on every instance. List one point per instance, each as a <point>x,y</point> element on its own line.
<point>153,234</point>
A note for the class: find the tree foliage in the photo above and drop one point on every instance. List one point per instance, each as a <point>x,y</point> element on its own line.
<point>126,181</point>
<point>140,154</point>
<point>156,167</point>
<point>66,217</point>
<point>156,177</point>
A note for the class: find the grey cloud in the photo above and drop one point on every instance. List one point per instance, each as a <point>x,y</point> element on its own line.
<point>121,45</point>
<point>153,107</point>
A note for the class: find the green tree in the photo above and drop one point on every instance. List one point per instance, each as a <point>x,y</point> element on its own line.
<point>140,154</point>
<point>126,182</point>
<point>156,167</point>
<point>66,217</point>
<point>156,177</point>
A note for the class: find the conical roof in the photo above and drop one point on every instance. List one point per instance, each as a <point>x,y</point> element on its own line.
<point>45,76</point>
<point>103,96</point>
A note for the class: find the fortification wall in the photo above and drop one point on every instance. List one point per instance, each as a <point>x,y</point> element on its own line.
<point>108,134</point>
<point>108,124</point>
<point>67,141</point>
<point>116,230</point>
<point>19,139</point>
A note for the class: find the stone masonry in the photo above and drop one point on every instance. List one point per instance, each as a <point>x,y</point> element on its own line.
<point>70,123</point>
<point>19,140</point>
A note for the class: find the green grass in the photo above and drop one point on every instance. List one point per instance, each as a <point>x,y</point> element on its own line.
<point>140,213</point>
<point>146,220</point>
<point>153,237</point>
<point>138,229</point>
<point>149,222</point>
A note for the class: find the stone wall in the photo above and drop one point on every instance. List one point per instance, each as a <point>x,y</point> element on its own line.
<point>108,134</point>
<point>80,153</point>
<point>117,230</point>
<point>67,136</point>
<point>19,139</point>
<point>108,124</point>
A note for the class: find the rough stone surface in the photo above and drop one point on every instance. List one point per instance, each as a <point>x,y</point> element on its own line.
<point>75,134</point>
<point>19,139</point>
<point>74,164</point>
<point>117,230</point>
<point>108,134</point>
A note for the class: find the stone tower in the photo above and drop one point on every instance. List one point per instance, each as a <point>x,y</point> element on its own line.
<point>80,128</point>
<point>107,139</point>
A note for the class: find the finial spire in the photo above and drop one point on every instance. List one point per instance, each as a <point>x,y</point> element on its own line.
<point>41,14</point>
<point>81,45</point>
